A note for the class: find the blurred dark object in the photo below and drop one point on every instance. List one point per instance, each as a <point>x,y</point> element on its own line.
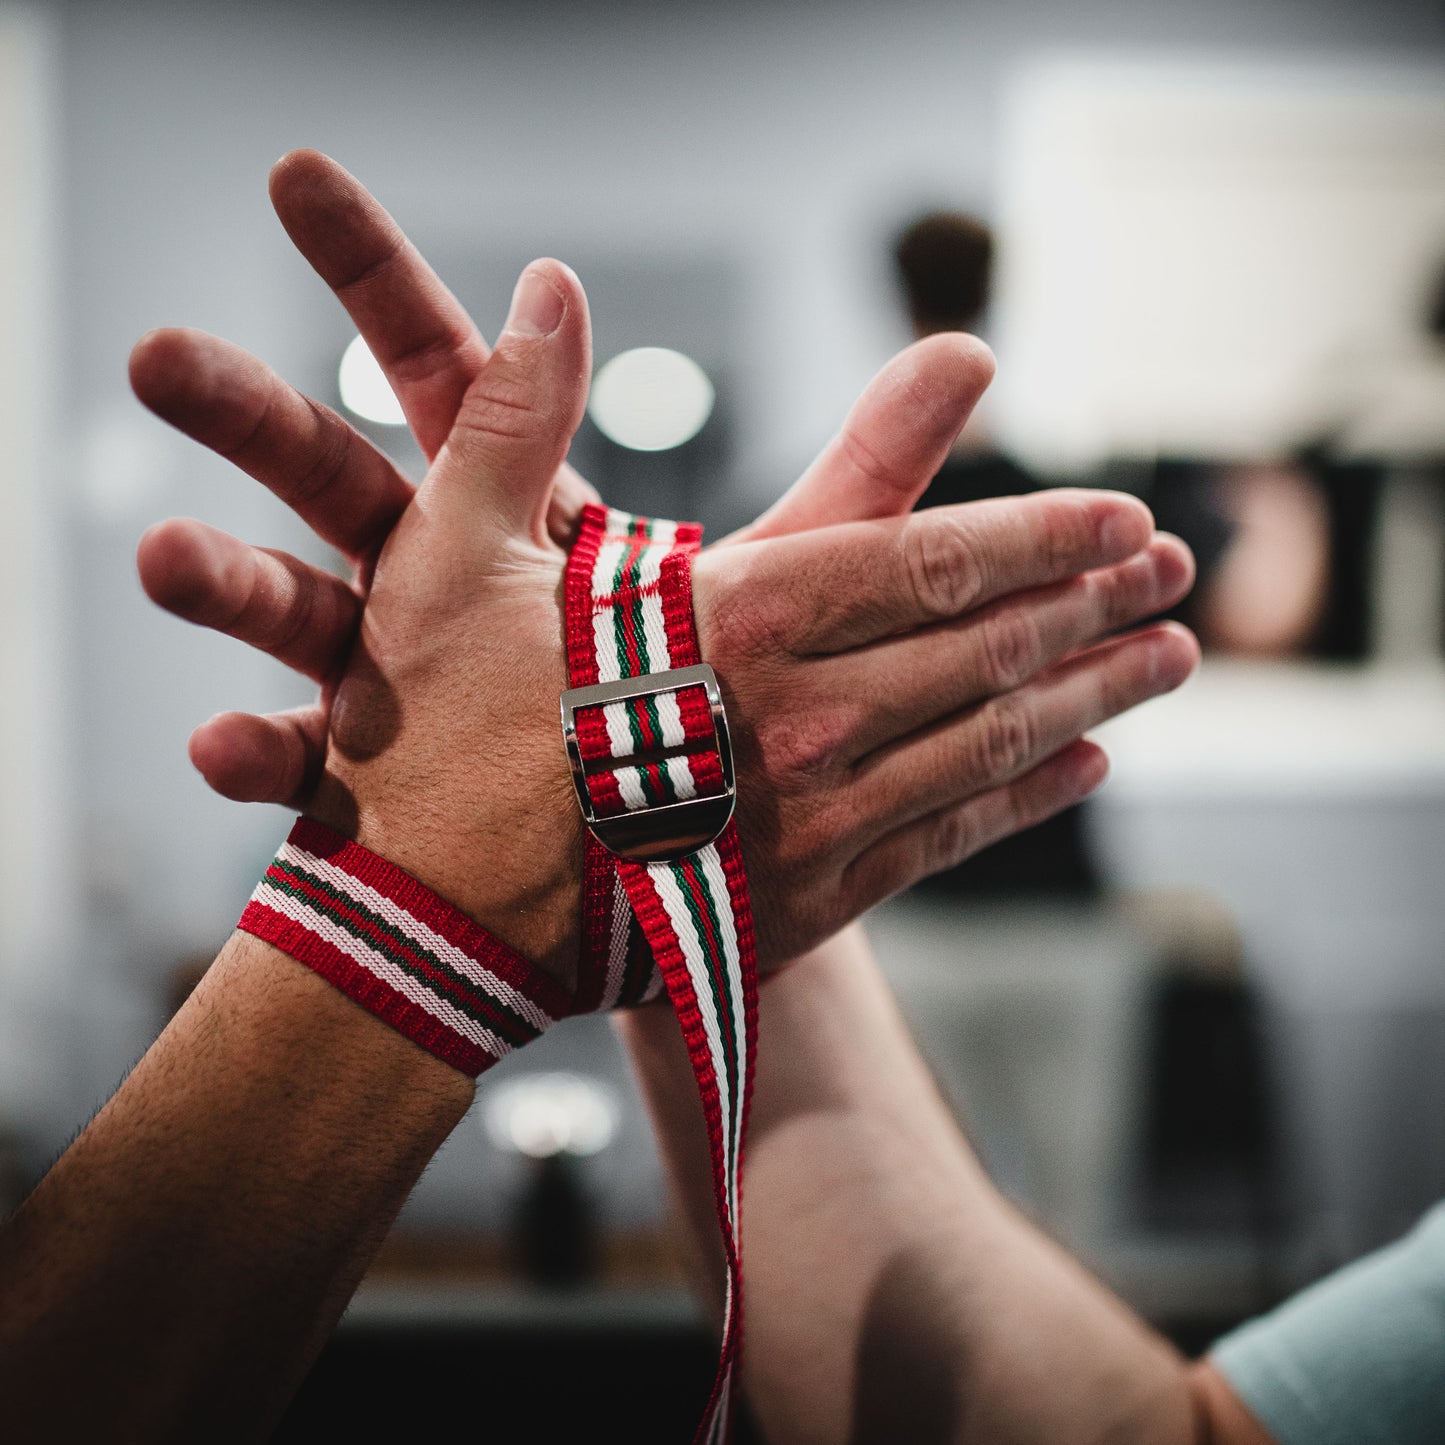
<point>1352,493</point>
<point>555,1226</point>
<point>17,1178</point>
<point>1325,516</point>
<point>645,1384</point>
<point>186,973</point>
<point>974,476</point>
<point>1051,859</point>
<point>1209,1132</point>
<point>1435,308</point>
<point>944,261</point>
<point>1184,497</point>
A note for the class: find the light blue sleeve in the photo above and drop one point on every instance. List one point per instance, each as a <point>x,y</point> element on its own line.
<point>1357,1358</point>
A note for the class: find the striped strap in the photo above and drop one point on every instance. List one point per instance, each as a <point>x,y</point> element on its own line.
<point>398,950</point>
<point>629,614</point>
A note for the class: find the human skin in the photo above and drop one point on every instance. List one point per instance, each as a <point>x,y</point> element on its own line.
<point>902,690</point>
<point>892,1292</point>
<point>205,1230</point>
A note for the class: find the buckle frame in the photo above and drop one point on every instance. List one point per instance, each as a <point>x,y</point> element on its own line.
<point>668,831</point>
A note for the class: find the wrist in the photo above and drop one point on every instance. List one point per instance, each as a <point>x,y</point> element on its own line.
<point>269,1006</point>
<point>514,870</point>
<point>392,945</point>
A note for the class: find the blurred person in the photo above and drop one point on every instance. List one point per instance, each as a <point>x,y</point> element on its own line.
<point>1259,535</point>
<point>1269,591</point>
<point>894,1293</point>
<point>176,1271</point>
<point>944,265</point>
<point>1259,532</point>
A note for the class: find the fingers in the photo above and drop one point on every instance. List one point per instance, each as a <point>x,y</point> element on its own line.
<point>518,417</point>
<point>840,587</point>
<point>570,493</point>
<point>299,614</point>
<point>905,683</point>
<point>418,331</point>
<point>335,480</point>
<point>893,442</point>
<point>1005,737</point>
<point>948,836</point>
<point>272,759</point>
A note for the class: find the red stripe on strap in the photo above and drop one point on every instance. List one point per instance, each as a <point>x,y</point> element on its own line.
<point>426,907</point>
<point>363,987</point>
<point>739,1024</point>
<point>577,592</point>
<point>344,908</point>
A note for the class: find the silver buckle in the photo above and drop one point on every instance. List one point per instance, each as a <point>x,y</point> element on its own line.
<point>669,831</point>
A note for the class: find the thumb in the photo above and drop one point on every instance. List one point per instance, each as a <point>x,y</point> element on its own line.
<point>517,418</point>
<point>895,438</point>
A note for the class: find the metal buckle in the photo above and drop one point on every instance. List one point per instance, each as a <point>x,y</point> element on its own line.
<point>669,831</point>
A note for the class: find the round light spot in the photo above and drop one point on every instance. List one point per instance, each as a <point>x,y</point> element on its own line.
<point>364,388</point>
<point>544,1114</point>
<point>651,399</point>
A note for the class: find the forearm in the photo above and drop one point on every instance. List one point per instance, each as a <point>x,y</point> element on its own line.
<point>892,1293</point>
<point>205,1231</point>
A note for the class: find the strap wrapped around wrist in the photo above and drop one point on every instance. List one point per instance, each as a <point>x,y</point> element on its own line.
<point>628,594</point>
<point>684,921</point>
<point>401,952</point>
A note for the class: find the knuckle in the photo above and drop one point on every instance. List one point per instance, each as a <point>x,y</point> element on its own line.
<point>253,428</point>
<point>952,838</point>
<point>1011,647</point>
<point>333,454</point>
<point>292,620</point>
<point>1124,593</point>
<point>878,475</point>
<point>429,357</point>
<point>1005,741</point>
<point>1065,534</point>
<point>804,746</point>
<point>740,623</point>
<point>1108,598</point>
<point>503,407</point>
<point>943,565</point>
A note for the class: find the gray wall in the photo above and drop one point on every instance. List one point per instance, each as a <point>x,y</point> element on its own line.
<point>783,140</point>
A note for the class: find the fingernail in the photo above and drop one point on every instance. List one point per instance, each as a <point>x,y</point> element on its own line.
<point>537,306</point>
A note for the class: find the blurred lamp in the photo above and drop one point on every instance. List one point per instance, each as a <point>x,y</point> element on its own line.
<point>365,389</point>
<point>651,399</point>
<point>542,1115</point>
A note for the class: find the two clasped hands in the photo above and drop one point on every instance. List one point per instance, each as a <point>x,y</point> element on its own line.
<point>903,689</point>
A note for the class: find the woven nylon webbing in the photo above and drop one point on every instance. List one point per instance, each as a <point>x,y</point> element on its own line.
<point>401,952</point>
<point>629,613</point>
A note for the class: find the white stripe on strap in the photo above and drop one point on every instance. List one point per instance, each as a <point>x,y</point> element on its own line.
<point>414,928</point>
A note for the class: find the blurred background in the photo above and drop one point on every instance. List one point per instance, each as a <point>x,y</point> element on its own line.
<point>1196,1027</point>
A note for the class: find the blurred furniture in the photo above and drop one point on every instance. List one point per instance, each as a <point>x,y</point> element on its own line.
<point>1311,802</point>
<point>1039,1020</point>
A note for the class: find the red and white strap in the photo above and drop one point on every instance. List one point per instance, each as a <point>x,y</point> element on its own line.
<point>423,967</point>
<point>401,952</point>
<point>629,614</point>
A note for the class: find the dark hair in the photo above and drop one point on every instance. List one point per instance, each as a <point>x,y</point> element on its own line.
<point>944,260</point>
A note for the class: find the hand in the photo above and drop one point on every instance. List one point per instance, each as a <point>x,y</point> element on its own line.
<point>840,804</point>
